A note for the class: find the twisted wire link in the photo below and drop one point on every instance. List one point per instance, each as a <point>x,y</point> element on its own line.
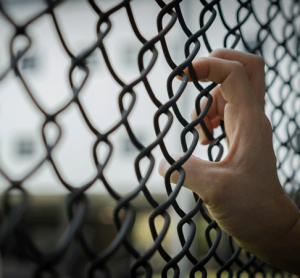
<point>282,68</point>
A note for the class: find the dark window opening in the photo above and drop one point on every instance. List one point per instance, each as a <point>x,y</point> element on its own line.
<point>28,63</point>
<point>25,147</point>
<point>127,145</point>
<point>130,54</point>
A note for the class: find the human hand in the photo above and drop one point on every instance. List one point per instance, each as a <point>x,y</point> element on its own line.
<point>242,192</point>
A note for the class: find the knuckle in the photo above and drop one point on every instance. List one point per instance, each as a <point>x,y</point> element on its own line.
<point>259,61</point>
<point>217,53</point>
<point>237,67</point>
<point>257,64</point>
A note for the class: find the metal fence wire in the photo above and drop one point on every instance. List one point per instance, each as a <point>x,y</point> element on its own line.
<point>278,29</point>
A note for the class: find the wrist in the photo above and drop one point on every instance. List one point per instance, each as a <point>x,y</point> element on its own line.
<point>285,252</point>
<point>281,250</point>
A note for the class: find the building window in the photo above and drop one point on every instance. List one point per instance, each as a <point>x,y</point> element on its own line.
<point>127,145</point>
<point>25,147</point>
<point>129,54</point>
<point>28,63</point>
<point>176,50</point>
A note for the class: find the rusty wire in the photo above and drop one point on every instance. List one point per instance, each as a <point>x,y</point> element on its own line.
<point>77,204</point>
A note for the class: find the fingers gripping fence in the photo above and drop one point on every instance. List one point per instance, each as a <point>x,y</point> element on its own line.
<point>282,106</point>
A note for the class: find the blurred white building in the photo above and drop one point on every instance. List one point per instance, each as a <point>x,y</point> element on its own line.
<point>45,69</point>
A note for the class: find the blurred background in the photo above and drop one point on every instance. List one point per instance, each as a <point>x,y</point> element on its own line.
<point>45,68</point>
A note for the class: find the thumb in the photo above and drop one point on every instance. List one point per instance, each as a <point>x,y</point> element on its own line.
<point>199,174</point>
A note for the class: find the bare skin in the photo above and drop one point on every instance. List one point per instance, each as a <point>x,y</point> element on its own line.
<point>242,192</point>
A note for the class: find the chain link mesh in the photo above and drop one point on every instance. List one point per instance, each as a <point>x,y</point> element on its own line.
<point>276,40</point>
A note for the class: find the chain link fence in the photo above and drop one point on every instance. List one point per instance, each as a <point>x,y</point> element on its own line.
<point>267,28</point>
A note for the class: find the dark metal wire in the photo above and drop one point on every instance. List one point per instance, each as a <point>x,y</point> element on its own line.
<point>76,202</point>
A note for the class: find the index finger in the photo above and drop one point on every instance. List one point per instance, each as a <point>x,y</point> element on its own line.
<point>254,66</point>
<point>235,85</point>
